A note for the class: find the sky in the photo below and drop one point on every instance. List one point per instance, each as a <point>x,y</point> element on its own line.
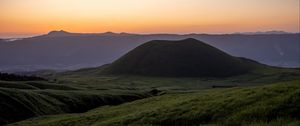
<point>31,17</point>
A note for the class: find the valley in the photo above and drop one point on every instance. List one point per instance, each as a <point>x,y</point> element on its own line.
<point>108,95</point>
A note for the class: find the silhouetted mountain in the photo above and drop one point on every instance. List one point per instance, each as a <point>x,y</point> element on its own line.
<point>109,34</point>
<point>63,50</point>
<point>264,33</point>
<point>184,58</point>
<point>59,33</point>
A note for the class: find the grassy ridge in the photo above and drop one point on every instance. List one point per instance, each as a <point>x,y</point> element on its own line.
<point>78,91</point>
<point>277,104</point>
<point>16,85</point>
<point>36,85</point>
<point>19,104</point>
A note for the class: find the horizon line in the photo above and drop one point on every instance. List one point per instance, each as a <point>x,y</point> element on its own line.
<point>26,35</point>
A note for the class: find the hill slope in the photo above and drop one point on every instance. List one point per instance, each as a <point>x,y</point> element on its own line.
<point>276,104</point>
<point>184,58</point>
<point>23,100</point>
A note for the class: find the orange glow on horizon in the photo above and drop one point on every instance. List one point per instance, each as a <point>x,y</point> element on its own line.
<point>147,16</point>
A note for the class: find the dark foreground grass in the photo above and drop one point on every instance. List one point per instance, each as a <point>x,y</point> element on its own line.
<point>20,104</point>
<point>272,105</point>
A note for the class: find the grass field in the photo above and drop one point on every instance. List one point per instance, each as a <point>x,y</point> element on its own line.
<point>275,104</point>
<point>19,104</point>
<point>93,79</point>
<point>173,101</point>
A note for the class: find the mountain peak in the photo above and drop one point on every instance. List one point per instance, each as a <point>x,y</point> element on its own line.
<point>59,33</point>
<point>109,33</point>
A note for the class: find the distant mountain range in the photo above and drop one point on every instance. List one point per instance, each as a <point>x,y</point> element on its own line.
<point>63,50</point>
<point>263,33</point>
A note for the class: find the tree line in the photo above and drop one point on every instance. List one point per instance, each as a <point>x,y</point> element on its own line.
<point>14,77</point>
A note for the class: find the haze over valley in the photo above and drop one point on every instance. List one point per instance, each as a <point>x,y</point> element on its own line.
<point>61,50</point>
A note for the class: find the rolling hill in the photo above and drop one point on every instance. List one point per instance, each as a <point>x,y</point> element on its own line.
<point>272,105</point>
<point>23,100</point>
<point>183,58</point>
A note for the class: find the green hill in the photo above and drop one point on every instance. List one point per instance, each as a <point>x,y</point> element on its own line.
<point>272,105</point>
<point>184,58</point>
<point>23,100</point>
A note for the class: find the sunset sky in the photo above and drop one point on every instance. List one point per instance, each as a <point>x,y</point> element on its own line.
<point>32,17</point>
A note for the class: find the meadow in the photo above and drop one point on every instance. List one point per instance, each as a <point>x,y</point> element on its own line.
<point>169,99</point>
<point>275,104</point>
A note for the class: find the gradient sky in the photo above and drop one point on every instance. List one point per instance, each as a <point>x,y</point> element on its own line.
<point>30,17</point>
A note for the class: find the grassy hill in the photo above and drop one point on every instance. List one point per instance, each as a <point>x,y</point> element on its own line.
<point>183,58</point>
<point>23,100</point>
<point>276,104</point>
<point>86,89</point>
